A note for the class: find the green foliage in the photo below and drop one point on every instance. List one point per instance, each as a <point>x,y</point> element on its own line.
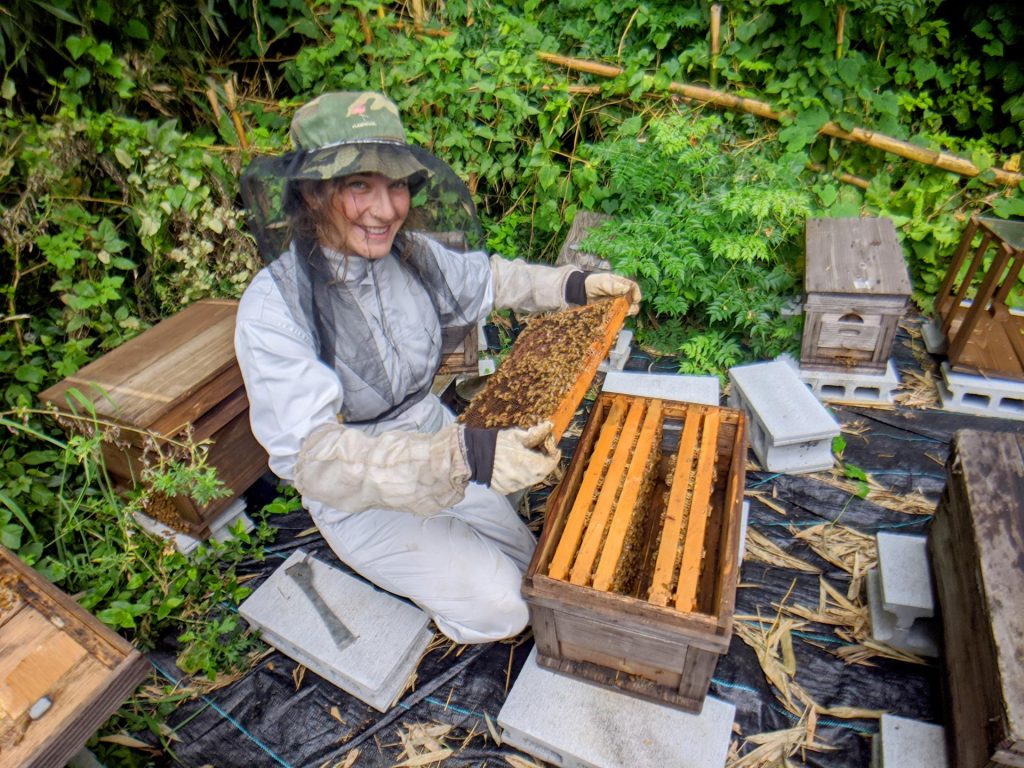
<point>710,230</point>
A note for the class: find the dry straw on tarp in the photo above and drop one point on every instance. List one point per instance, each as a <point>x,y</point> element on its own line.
<point>772,748</point>
<point>853,551</point>
<point>761,548</point>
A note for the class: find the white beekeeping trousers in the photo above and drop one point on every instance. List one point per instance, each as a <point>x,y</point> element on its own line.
<point>463,566</point>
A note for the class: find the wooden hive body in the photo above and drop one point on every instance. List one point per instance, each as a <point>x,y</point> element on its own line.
<point>178,377</point>
<point>983,335</point>
<point>634,578</point>
<point>976,548</point>
<point>51,650</point>
<point>857,290</point>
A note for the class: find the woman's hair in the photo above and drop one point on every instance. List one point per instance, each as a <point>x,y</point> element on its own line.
<point>309,211</point>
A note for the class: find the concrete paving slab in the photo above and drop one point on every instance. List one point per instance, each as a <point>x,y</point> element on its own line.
<point>365,641</point>
<point>667,386</point>
<point>905,743</point>
<point>575,724</point>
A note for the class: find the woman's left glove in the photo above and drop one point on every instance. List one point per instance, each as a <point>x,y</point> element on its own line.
<point>602,285</point>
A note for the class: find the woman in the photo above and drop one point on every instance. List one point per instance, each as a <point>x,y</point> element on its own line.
<point>339,339</point>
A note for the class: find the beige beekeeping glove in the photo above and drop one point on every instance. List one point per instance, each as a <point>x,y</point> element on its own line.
<point>529,287</point>
<point>601,285</point>
<point>408,471</point>
<point>521,458</point>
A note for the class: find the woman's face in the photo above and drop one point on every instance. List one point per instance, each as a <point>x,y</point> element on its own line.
<point>369,209</point>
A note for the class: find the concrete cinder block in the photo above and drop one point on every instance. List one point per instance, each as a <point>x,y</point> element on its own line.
<point>920,638</point>
<point>744,516</point>
<point>575,724</point>
<point>852,386</point>
<point>905,743</point>
<point>619,354</point>
<point>934,339</point>
<point>359,638</point>
<point>905,577</point>
<point>980,395</point>
<point>789,430</point>
<point>667,386</point>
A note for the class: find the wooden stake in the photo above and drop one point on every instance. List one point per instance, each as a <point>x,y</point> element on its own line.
<point>943,160</point>
<point>840,24</point>
<point>716,23</point>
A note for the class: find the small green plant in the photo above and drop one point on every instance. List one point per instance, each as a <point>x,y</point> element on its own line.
<point>710,227</point>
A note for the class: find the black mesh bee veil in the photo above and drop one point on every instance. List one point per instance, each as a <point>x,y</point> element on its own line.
<point>441,210</point>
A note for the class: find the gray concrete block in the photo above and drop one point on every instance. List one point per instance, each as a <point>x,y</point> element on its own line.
<point>920,638</point>
<point>934,339</point>
<point>575,724</point>
<point>619,354</point>
<point>789,430</point>
<point>853,386</point>
<point>905,743</point>
<point>905,576</point>
<point>980,395</point>
<point>667,386</point>
<point>359,638</point>
<point>744,515</point>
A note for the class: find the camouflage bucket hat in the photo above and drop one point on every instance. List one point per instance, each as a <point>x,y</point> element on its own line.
<point>349,132</point>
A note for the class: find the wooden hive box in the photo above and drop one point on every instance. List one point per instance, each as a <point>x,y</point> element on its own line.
<point>549,368</point>
<point>62,672</point>
<point>633,581</point>
<point>983,335</point>
<point>977,548</point>
<point>857,290</point>
<point>180,374</point>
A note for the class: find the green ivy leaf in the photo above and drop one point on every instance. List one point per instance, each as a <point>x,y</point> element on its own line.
<point>78,46</point>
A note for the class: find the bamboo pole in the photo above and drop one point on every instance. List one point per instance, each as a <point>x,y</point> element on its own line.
<point>943,160</point>
<point>716,27</point>
<point>840,25</point>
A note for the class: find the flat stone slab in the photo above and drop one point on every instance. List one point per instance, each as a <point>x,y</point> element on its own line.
<point>574,724</point>
<point>905,743</point>
<point>667,386</point>
<point>906,576</point>
<point>365,641</point>
<point>980,395</point>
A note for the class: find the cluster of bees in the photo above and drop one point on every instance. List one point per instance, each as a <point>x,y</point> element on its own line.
<point>544,364</point>
<point>162,509</point>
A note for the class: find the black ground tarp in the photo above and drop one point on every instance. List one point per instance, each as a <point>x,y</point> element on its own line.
<point>264,719</point>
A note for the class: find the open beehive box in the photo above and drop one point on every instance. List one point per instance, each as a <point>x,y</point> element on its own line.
<point>175,381</point>
<point>62,672</point>
<point>549,368</point>
<point>634,579</point>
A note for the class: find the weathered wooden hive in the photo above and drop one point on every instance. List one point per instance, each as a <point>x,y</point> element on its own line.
<point>857,290</point>
<point>983,335</point>
<point>176,379</point>
<point>62,673</point>
<point>549,368</point>
<point>634,578</point>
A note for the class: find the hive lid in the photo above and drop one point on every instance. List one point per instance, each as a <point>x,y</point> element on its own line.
<point>855,256</point>
<point>165,377</point>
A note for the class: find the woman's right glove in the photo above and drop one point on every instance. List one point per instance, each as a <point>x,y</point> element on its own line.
<point>511,459</point>
<point>415,472</point>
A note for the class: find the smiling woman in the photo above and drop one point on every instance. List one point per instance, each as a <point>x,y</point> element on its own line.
<point>339,339</point>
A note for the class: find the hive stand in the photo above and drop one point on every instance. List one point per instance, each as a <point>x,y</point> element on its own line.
<point>905,743</point>
<point>980,395</point>
<point>574,724</point>
<point>790,431</point>
<point>981,334</point>
<point>220,527</point>
<point>357,637</point>
<point>619,354</point>
<point>901,596</point>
